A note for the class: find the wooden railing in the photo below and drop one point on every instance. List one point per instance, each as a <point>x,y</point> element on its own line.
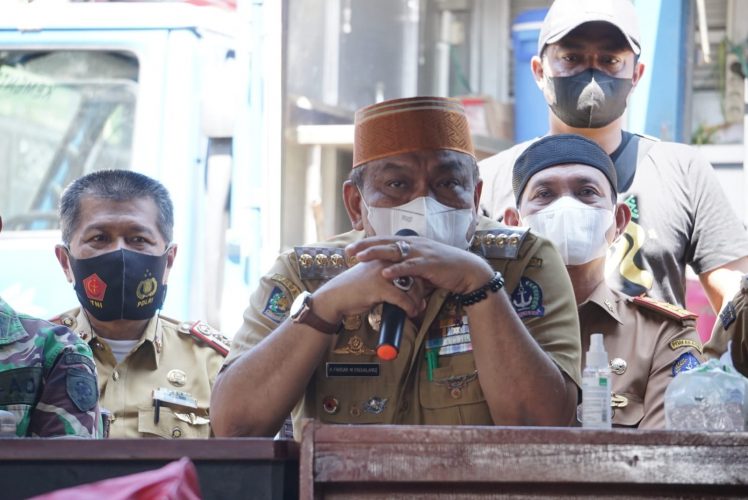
<point>483,462</point>
<point>377,462</point>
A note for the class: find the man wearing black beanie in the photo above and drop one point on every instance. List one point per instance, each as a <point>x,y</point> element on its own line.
<point>565,190</point>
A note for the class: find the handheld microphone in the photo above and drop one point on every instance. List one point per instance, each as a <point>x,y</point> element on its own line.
<point>393,317</point>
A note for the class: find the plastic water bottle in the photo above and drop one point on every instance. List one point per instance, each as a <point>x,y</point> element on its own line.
<point>596,412</point>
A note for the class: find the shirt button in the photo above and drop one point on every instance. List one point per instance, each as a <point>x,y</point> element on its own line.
<point>115,375</point>
<point>176,433</point>
<point>456,393</point>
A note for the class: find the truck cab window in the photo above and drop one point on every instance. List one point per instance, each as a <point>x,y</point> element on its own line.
<point>62,114</point>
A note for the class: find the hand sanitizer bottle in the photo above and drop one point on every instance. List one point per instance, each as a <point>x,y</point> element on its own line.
<point>596,412</point>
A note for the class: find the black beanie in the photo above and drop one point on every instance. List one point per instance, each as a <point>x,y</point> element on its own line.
<point>554,150</point>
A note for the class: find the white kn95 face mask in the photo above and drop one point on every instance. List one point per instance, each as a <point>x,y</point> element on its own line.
<point>425,216</point>
<point>578,231</point>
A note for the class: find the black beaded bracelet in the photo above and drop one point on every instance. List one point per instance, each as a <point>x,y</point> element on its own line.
<point>494,285</point>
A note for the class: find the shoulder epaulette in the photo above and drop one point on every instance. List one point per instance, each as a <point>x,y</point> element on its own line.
<point>669,310</point>
<point>321,263</point>
<point>202,331</point>
<point>501,243</point>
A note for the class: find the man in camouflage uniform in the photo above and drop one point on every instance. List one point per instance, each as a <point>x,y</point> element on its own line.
<point>471,353</point>
<point>47,378</point>
<point>155,373</point>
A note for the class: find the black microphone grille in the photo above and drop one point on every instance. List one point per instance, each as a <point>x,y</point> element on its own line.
<point>406,232</point>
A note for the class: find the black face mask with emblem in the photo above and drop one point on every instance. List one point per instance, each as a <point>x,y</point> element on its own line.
<point>590,99</point>
<point>120,285</point>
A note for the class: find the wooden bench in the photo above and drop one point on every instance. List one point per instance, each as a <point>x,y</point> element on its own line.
<point>368,462</point>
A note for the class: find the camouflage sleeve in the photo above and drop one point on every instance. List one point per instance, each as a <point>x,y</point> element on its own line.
<point>68,400</point>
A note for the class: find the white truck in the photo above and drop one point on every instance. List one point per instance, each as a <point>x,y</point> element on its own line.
<point>164,89</point>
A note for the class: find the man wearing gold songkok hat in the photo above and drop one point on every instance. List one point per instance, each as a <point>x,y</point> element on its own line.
<point>491,335</point>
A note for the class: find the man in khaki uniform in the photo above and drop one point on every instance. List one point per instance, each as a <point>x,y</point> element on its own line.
<point>565,190</point>
<point>732,325</point>
<point>491,335</point>
<point>155,374</point>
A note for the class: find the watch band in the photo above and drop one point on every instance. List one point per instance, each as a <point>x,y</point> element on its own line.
<point>307,317</point>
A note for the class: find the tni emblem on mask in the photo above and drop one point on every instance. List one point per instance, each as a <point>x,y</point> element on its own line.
<point>95,289</point>
<point>146,290</point>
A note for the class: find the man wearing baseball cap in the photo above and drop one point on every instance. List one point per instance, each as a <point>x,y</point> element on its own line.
<point>491,335</point>
<point>565,189</point>
<point>587,66</point>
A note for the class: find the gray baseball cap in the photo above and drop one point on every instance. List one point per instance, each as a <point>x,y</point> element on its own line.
<point>565,15</point>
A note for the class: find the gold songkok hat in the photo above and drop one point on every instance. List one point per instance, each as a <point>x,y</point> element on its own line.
<point>406,125</point>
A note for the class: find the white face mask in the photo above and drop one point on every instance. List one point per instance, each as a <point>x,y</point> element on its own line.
<point>578,231</point>
<point>425,216</point>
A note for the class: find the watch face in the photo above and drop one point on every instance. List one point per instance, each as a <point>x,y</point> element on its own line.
<point>298,304</point>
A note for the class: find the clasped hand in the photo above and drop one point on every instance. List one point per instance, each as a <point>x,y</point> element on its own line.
<point>382,260</point>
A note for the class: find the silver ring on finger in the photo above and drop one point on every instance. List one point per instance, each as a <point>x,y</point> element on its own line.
<point>403,247</point>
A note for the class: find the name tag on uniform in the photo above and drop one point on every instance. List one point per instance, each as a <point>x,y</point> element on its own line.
<point>20,385</point>
<point>352,369</point>
<point>169,396</point>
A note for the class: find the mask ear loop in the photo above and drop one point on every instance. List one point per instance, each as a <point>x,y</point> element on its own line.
<point>163,285</point>
<point>168,247</point>
<point>363,200</point>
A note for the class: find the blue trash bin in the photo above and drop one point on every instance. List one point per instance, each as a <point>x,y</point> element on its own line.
<point>530,108</point>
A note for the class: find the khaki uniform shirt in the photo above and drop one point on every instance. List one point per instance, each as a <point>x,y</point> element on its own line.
<point>732,325</point>
<point>351,385</point>
<point>648,343</point>
<point>168,360</point>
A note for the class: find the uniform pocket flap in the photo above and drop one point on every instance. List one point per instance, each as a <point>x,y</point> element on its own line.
<point>450,387</point>
<point>173,423</point>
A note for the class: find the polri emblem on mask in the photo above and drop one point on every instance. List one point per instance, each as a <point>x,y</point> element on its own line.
<point>120,285</point>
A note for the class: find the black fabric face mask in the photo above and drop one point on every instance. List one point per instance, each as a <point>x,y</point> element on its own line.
<point>590,99</point>
<point>120,285</point>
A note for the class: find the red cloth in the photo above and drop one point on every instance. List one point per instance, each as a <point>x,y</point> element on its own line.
<point>174,481</point>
